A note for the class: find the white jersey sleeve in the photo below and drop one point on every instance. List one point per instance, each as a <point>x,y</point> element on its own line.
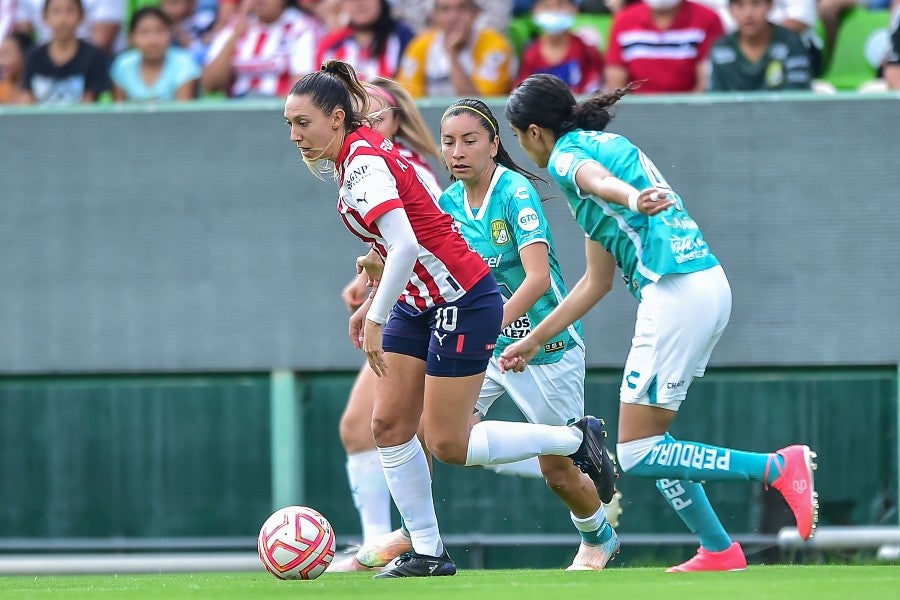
<point>369,187</point>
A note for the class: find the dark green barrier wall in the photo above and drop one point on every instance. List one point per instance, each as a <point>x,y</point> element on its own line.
<point>175,456</point>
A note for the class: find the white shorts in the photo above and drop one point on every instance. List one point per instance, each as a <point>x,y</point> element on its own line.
<point>551,394</point>
<point>679,321</point>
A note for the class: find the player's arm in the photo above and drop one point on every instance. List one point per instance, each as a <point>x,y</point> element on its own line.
<point>402,252</point>
<point>593,178</point>
<point>536,262</point>
<point>596,282</point>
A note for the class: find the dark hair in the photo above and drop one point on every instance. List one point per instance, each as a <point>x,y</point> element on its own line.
<point>23,40</point>
<point>148,11</point>
<point>382,29</point>
<point>336,85</point>
<point>546,101</point>
<point>78,3</point>
<point>485,117</point>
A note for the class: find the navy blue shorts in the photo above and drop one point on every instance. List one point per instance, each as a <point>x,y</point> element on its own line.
<point>455,339</point>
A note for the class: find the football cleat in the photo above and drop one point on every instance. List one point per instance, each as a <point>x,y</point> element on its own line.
<point>594,558</point>
<point>384,549</point>
<point>413,564</point>
<point>593,459</point>
<point>795,483</point>
<point>730,559</point>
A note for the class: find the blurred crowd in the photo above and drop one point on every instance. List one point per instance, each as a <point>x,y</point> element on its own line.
<point>70,51</point>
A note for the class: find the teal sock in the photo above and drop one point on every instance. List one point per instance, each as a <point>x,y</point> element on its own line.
<point>694,461</point>
<point>403,527</point>
<point>689,501</point>
<point>594,529</point>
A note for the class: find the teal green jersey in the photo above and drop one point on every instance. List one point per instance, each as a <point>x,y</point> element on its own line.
<point>510,219</point>
<point>645,248</point>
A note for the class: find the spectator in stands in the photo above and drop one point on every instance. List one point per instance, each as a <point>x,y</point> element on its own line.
<point>66,70</point>
<point>266,47</point>
<point>13,50</point>
<point>664,43</point>
<point>373,41</point>
<point>192,26</point>
<point>456,57</point>
<point>797,15</point>
<point>101,25</point>
<point>759,55</point>
<point>153,69</point>
<point>892,65</point>
<point>558,51</point>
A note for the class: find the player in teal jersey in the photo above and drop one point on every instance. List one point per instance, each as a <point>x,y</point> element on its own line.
<point>634,219</point>
<point>498,211</point>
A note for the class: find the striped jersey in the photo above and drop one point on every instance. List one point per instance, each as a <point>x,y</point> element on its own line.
<point>376,179</point>
<point>666,58</point>
<point>645,248</point>
<point>341,44</point>
<point>510,219</point>
<point>426,174</point>
<point>269,57</point>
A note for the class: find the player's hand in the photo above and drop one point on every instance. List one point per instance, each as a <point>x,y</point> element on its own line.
<point>372,265</point>
<point>517,355</point>
<point>372,333</point>
<point>356,331</point>
<point>356,292</point>
<point>653,201</point>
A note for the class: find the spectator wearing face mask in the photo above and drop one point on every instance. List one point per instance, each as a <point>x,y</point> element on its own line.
<point>664,43</point>
<point>558,52</point>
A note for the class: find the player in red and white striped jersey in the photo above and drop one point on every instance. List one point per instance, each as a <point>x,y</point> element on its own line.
<point>263,53</point>
<point>373,41</point>
<point>430,348</point>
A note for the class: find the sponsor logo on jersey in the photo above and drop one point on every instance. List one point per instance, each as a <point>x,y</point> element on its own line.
<point>357,175</point>
<point>563,163</point>
<point>688,248</point>
<point>499,232</point>
<point>528,219</point>
<point>493,261</point>
<point>555,346</point>
<point>518,329</point>
<point>387,145</point>
<point>522,193</point>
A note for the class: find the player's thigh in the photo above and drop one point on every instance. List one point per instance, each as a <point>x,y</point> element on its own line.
<point>679,321</point>
<point>449,403</point>
<point>356,422</point>
<point>551,394</point>
<point>398,400</point>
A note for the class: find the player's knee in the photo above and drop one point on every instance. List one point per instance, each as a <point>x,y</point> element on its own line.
<point>631,454</point>
<point>356,434</point>
<point>388,432</point>
<point>452,452</point>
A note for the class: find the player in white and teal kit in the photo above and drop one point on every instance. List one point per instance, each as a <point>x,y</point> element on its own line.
<point>498,211</point>
<point>634,220</point>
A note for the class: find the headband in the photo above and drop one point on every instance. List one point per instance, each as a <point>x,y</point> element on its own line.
<point>474,110</point>
<point>385,95</point>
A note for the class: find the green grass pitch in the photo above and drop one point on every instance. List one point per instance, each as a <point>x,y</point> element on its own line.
<point>788,582</point>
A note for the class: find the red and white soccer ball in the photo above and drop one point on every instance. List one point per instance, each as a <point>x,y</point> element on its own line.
<point>296,542</point>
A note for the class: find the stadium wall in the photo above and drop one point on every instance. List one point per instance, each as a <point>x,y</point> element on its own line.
<point>193,238</point>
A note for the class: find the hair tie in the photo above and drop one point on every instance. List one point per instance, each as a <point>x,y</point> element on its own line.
<point>475,110</point>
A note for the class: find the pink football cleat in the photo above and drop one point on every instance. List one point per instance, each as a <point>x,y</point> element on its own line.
<point>795,483</point>
<point>731,559</point>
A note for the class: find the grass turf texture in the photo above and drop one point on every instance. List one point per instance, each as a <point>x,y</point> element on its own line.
<point>793,582</point>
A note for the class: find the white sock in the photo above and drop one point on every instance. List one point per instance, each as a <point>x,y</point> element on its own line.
<point>530,467</point>
<point>408,477</point>
<point>370,494</point>
<point>591,523</point>
<point>493,442</point>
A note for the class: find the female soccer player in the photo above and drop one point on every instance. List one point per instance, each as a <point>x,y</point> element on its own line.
<point>431,347</point>
<point>633,218</point>
<point>499,212</point>
<point>392,113</point>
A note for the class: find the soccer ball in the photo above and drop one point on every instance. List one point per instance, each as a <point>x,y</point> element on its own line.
<point>296,542</point>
